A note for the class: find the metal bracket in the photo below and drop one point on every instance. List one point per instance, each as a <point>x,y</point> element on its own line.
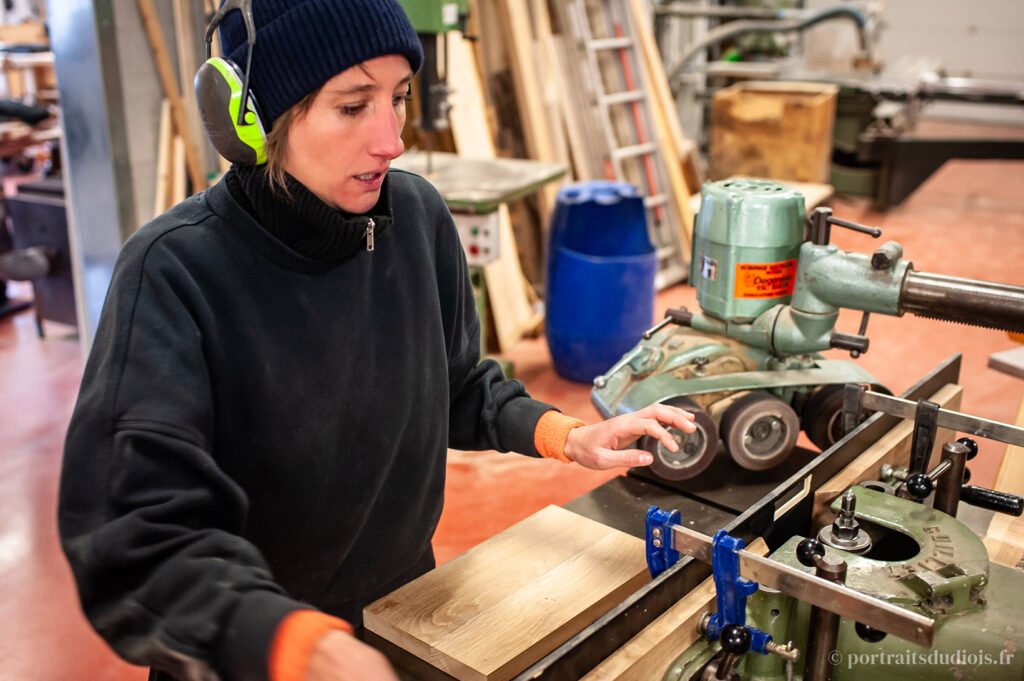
<point>926,426</point>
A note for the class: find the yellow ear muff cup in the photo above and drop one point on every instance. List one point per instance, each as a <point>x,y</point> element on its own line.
<point>218,87</point>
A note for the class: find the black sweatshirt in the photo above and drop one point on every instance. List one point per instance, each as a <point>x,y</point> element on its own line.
<point>258,430</point>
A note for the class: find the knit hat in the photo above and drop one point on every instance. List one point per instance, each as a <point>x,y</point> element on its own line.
<point>301,44</point>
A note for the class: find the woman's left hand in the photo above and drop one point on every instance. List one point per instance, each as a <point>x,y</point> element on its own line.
<point>599,445</point>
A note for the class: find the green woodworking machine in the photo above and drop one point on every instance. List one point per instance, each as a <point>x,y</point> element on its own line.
<point>770,286</point>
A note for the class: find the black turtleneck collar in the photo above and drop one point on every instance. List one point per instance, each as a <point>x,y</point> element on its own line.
<point>300,220</point>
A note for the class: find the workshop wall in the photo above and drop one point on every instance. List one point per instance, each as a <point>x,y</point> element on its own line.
<point>978,39</point>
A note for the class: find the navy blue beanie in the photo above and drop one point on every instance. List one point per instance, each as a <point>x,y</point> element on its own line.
<point>301,44</point>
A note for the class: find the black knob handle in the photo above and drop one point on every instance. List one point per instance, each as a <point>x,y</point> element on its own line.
<point>679,315</point>
<point>919,485</point>
<point>1000,502</point>
<point>735,639</point>
<point>849,341</point>
<point>869,634</point>
<point>967,475</point>
<point>808,549</point>
<point>972,447</point>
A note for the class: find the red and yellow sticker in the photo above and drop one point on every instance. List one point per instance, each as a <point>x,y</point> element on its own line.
<point>765,280</point>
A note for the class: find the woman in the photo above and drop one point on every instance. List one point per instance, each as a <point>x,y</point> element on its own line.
<point>258,447</point>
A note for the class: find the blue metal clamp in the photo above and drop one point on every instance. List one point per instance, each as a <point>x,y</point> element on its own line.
<point>731,591</point>
<point>660,554</point>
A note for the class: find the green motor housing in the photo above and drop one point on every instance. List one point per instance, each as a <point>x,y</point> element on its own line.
<point>746,241</point>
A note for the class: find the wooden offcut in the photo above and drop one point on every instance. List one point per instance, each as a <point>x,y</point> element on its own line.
<point>507,296</point>
<point>504,604</point>
<point>893,448</point>
<point>1005,537</point>
<point>151,23</point>
<point>648,654</point>
<point>666,123</point>
<point>164,154</point>
<point>777,130</point>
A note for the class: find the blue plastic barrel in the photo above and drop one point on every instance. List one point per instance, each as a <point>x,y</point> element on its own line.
<point>600,277</point>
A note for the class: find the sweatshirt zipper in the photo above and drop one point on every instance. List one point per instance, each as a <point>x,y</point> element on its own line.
<point>369,234</point>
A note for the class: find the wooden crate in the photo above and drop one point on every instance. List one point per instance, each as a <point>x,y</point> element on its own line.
<point>777,130</point>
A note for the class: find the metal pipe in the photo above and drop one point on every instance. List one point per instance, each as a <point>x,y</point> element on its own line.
<point>735,28</point>
<point>824,625</point>
<point>964,301</point>
<point>947,494</point>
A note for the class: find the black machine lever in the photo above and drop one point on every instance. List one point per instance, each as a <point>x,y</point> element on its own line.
<point>855,343</point>
<point>821,222</point>
<point>990,499</point>
<point>952,488</point>
<point>673,315</point>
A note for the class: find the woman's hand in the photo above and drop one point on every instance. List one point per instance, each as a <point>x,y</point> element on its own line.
<point>341,657</point>
<point>598,446</point>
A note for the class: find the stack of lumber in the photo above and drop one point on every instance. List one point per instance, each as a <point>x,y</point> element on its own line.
<point>522,95</point>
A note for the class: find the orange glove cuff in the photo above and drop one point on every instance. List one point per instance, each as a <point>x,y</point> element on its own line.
<point>552,430</point>
<point>294,641</point>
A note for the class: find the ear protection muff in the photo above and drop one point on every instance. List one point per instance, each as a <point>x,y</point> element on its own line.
<point>236,130</point>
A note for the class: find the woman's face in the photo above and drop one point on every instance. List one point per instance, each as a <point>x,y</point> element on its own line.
<point>340,149</point>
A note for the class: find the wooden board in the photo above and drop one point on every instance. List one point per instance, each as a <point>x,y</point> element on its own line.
<point>1005,541</point>
<point>893,448</point>
<point>1005,537</point>
<point>151,23</point>
<point>648,654</point>
<point>164,152</point>
<point>666,124</point>
<point>529,92</point>
<point>509,303</point>
<point>777,130</point>
<point>27,32</point>
<point>191,51</point>
<point>504,604</point>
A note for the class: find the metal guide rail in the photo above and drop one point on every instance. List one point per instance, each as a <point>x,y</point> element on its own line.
<point>834,597</point>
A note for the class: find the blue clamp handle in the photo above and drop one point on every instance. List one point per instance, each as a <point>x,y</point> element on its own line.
<point>731,592</point>
<point>660,554</point>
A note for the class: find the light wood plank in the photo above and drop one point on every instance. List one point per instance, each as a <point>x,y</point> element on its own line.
<point>178,175</point>
<point>529,93</point>
<point>1005,537</point>
<point>491,612</point>
<point>163,160</point>
<point>190,48</point>
<point>666,123</point>
<point>548,78</point>
<point>163,66</point>
<point>509,303</point>
<point>1010,477</point>
<point>648,654</point>
<point>893,449</point>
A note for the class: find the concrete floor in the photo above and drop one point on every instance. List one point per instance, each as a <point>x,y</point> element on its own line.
<point>968,220</point>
